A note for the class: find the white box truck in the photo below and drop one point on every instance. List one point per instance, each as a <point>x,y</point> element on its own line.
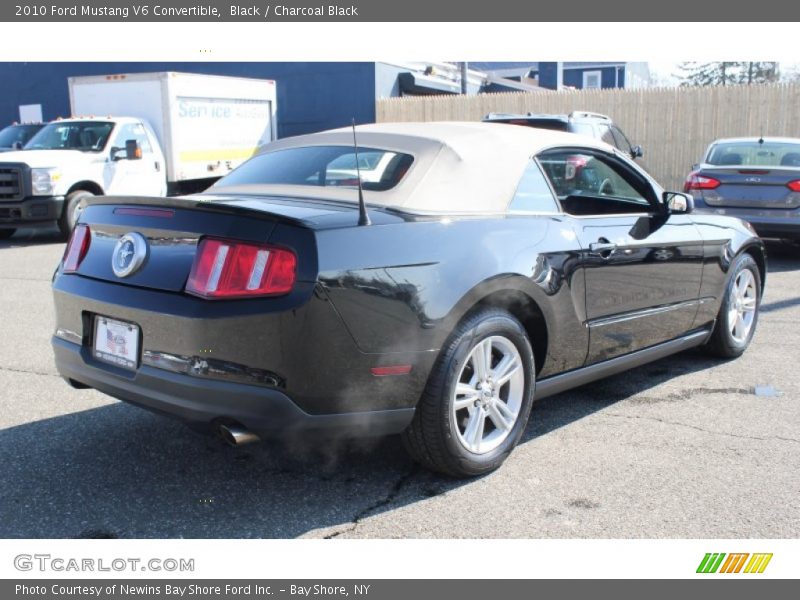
<point>148,134</point>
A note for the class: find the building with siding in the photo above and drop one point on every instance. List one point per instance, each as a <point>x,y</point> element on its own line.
<point>312,96</point>
<point>577,75</point>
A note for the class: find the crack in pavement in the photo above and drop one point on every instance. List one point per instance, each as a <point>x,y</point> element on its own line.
<point>723,433</point>
<point>691,393</point>
<point>27,372</point>
<point>392,494</point>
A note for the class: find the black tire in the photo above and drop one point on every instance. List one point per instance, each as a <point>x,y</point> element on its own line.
<point>6,233</point>
<point>723,343</point>
<point>434,438</point>
<point>66,222</point>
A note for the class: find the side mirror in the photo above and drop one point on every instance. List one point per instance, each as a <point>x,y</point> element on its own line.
<point>17,145</point>
<point>132,150</point>
<point>637,152</point>
<point>678,202</point>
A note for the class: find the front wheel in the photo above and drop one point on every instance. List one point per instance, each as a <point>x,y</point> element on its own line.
<point>738,315</point>
<point>478,398</point>
<point>72,210</point>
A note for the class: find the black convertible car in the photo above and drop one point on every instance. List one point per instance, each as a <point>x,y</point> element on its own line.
<point>488,265</point>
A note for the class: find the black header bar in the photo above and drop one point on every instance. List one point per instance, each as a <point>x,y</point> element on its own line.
<point>676,11</point>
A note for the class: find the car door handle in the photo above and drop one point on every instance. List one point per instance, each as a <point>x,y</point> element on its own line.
<point>602,247</point>
<point>157,165</point>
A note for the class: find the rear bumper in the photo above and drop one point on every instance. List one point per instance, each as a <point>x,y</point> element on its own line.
<point>202,402</point>
<point>778,223</point>
<point>31,212</point>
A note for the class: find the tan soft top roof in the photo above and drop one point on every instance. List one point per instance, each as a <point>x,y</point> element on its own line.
<point>458,167</point>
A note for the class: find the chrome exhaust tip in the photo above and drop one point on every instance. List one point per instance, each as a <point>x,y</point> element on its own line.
<point>237,435</point>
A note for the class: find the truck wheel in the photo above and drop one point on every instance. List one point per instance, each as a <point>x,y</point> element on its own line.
<point>72,210</point>
<point>6,233</point>
<point>738,314</point>
<point>478,398</point>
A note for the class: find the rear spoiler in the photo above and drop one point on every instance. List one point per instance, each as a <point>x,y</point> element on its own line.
<point>188,203</point>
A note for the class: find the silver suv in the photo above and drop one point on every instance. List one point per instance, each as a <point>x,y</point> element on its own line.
<point>581,122</point>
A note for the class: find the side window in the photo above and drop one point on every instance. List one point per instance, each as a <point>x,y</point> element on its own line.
<point>533,194</point>
<point>591,183</point>
<point>133,131</point>
<point>621,141</point>
<point>606,135</point>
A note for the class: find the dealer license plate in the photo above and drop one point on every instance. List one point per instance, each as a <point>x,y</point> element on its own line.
<point>116,342</point>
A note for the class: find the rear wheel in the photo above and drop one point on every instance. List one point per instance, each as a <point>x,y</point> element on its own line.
<point>72,210</point>
<point>738,315</point>
<point>6,233</point>
<point>478,398</point>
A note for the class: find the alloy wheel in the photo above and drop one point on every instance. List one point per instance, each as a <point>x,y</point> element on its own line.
<point>742,305</point>
<point>77,209</point>
<point>488,395</point>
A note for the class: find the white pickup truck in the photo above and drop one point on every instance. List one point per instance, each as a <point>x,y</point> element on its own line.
<point>179,134</point>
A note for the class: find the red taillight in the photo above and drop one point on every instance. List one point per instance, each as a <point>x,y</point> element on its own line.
<point>229,269</point>
<point>794,185</point>
<point>575,163</point>
<point>699,182</point>
<point>77,247</point>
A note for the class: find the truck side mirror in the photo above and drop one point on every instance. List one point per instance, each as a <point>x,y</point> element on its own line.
<point>17,145</point>
<point>132,150</point>
<point>637,152</point>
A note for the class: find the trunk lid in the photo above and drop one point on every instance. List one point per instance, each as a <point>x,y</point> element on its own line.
<point>173,227</point>
<point>751,187</point>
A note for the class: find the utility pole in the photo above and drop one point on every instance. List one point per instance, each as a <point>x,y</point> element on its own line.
<point>464,80</point>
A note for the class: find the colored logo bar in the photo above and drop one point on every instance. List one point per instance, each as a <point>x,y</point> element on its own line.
<point>716,562</point>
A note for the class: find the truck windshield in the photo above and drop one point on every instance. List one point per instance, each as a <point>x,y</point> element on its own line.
<point>323,166</point>
<point>89,136</point>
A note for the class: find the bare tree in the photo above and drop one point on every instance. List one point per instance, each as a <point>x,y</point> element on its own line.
<point>727,73</point>
<point>710,73</point>
<point>759,72</point>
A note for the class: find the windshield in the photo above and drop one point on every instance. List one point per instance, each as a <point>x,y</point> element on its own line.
<point>17,134</point>
<point>323,166</point>
<point>755,154</point>
<point>88,136</point>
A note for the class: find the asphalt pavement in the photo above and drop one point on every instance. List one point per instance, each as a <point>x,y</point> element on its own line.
<point>687,447</point>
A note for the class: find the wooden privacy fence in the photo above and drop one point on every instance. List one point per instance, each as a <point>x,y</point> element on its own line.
<point>673,125</point>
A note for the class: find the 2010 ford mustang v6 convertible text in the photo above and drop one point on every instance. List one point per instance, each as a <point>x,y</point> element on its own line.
<point>487,266</point>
